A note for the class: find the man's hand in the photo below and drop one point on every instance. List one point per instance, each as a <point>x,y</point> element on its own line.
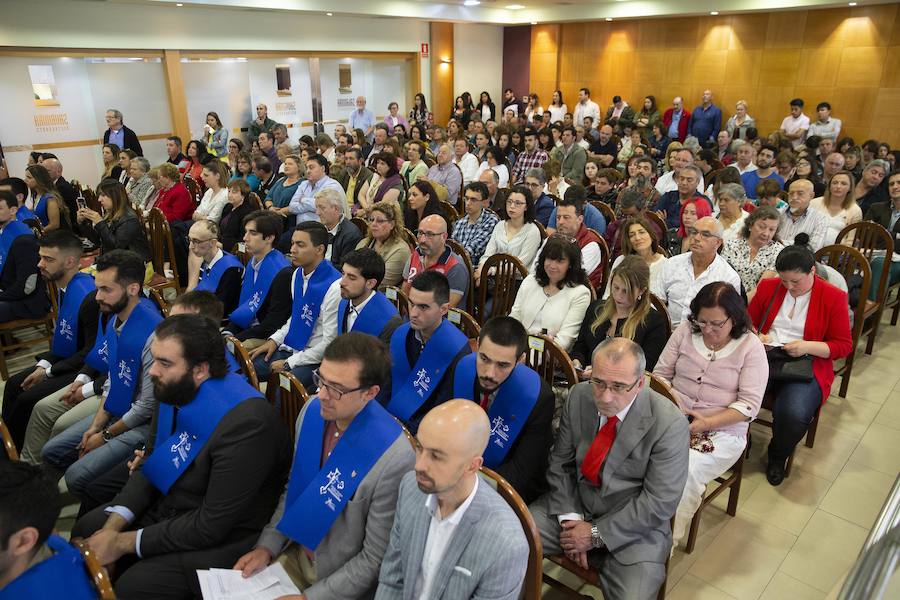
<point>109,545</point>
<point>279,366</point>
<point>268,348</point>
<point>575,537</point>
<point>73,395</point>
<point>253,562</point>
<point>135,463</point>
<point>91,443</point>
<point>34,377</point>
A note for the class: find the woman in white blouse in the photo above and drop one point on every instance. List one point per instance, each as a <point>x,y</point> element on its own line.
<point>554,299</point>
<point>215,178</point>
<point>838,205</point>
<point>557,108</point>
<point>496,160</point>
<point>516,235</point>
<point>730,199</point>
<point>638,238</point>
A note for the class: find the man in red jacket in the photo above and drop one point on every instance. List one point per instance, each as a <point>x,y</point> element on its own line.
<point>174,199</point>
<point>676,121</point>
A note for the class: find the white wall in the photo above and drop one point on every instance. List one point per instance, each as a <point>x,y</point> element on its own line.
<point>478,61</point>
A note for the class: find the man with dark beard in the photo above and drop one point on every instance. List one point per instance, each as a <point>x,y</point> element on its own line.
<point>203,495</point>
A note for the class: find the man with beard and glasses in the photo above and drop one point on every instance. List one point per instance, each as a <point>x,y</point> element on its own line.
<point>121,351</point>
<point>204,494</point>
<point>363,308</point>
<point>518,402</point>
<point>453,535</point>
<point>351,447</point>
<point>76,328</point>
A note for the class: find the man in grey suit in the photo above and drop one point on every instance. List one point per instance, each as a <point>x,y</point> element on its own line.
<point>453,536</point>
<point>342,559</point>
<point>616,475</point>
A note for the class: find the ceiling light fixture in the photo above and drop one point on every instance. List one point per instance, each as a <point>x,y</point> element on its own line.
<point>179,5</point>
<point>534,22</point>
<point>329,14</point>
<point>472,2</point>
<point>515,7</point>
<point>608,19</point>
<point>851,4</point>
<point>714,13</point>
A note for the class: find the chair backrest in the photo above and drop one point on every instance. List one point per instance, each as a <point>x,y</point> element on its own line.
<point>506,272</point>
<point>605,209</point>
<point>850,261</point>
<point>53,296</point>
<point>450,213</point>
<point>542,230</point>
<point>660,307</point>
<point>160,302</point>
<point>409,237</point>
<point>361,225</point>
<point>161,244</point>
<point>531,587</point>
<point>90,200</point>
<point>240,252</point>
<point>467,259</point>
<point>465,322</point>
<point>8,444</point>
<point>233,345</point>
<point>550,361</point>
<point>193,188</point>
<point>399,298</point>
<point>869,238</point>
<point>660,386</point>
<point>292,395</point>
<point>255,201</point>
<point>96,571</point>
<point>660,223</point>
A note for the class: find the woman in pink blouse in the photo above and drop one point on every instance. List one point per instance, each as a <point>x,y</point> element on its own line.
<point>718,368</point>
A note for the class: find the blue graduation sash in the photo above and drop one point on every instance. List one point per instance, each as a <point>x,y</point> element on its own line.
<point>317,493</point>
<point>40,210</point>
<point>373,318</point>
<point>63,575</point>
<point>510,409</point>
<point>25,214</point>
<point>122,354</point>
<point>65,336</point>
<point>306,307</point>
<point>211,283</point>
<point>11,231</point>
<point>196,421</point>
<point>412,386</point>
<point>254,292</point>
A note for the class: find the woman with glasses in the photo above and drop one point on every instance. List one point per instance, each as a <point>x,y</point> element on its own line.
<point>626,312</point>
<point>752,253</point>
<point>718,369</point>
<point>245,172</point>
<point>806,169</point>
<point>517,234</point>
<point>799,313</point>
<point>385,221</point>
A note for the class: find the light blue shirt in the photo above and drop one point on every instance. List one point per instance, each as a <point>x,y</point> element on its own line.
<point>117,138</point>
<point>363,119</point>
<point>303,202</point>
<point>676,119</point>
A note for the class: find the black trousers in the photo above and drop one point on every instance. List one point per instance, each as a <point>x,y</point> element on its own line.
<point>103,489</point>
<point>18,403</point>
<point>167,576</point>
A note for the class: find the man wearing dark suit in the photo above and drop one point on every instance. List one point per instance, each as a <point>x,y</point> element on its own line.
<point>23,294</point>
<point>118,134</point>
<point>344,235</point>
<point>189,508</point>
<point>345,430</point>
<point>65,189</point>
<point>355,175</point>
<point>60,252</point>
<point>616,477</point>
<point>453,535</point>
<point>887,214</point>
<point>518,402</point>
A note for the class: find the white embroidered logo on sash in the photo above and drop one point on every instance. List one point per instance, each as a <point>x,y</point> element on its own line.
<point>499,431</point>
<point>422,382</point>
<point>306,315</point>
<point>333,488</point>
<point>65,329</point>
<point>124,372</point>
<point>255,300</point>
<point>103,352</point>
<point>181,449</point>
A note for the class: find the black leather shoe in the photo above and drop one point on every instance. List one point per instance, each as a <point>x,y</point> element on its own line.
<point>775,472</point>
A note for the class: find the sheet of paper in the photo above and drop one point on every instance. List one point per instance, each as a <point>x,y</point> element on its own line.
<point>227,584</point>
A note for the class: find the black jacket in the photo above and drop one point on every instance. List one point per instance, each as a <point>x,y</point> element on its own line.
<point>131,141</point>
<point>229,289</point>
<point>69,196</point>
<point>231,225</point>
<point>651,336</point>
<point>20,280</point>
<point>880,213</point>
<point>274,311</point>
<point>88,319</point>
<point>124,233</point>
<point>345,240</point>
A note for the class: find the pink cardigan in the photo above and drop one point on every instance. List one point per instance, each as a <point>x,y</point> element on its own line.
<point>706,386</point>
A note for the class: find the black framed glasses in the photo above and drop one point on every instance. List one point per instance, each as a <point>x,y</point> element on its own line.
<point>616,387</point>
<point>333,391</point>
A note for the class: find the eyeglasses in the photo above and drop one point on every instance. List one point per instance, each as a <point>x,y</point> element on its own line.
<point>534,185</point>
<point>197,242</point>
<point>714,325</point>
<point>616,388</point>
<point>336,393</point>
<point>516,203</point>
<point>704,234</point>
<point>372,221</point>
<point>428,234</point>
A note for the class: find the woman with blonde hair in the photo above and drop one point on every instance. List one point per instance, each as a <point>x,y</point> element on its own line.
<point>385,236</point>
<point>627,312</point>
<point>738,124</point>
<point>111,167</point>
<point>49,207</point>
<point>838,205</point>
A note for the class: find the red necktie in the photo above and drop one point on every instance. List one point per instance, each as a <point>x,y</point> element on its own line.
<point>596,454</point>
<point>484,400</point>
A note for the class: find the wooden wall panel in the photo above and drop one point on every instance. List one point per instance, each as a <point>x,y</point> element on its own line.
<point>441,72</point>
<point>847,56</point>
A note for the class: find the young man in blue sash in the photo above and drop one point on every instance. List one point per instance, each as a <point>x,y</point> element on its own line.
<point>76,328</point>
<point>518,402</point>
<point>34,563</point>
<point>218,271</point>
<point>264,303</point>
<point>23,294</point>
<point>453,535</point>
<point>424,351</point>
<point>339,504</point>
<point>95,444</point>
<point>316,292</point>
<point>363,308</point>
<point>19,189</point>
<point>200,499</point>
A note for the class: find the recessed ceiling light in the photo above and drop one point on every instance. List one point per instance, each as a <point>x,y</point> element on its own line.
<point>534,22</point>
<point>179,4</point>
<point>515,6</point>
<point>472,2</point>
<point>609,19</point>
<point>714,13</point>
<point>329,14</point>
<point>851,3</point>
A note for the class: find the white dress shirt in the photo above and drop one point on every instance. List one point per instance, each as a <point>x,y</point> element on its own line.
<point>353,311</point>
<point>468,164</point>
<point>667,183</point>
<point>588,109</point>
<point>790,321</point>
<point>677,286</point>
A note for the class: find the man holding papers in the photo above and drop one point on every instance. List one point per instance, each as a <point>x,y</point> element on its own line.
<point>339,503</point>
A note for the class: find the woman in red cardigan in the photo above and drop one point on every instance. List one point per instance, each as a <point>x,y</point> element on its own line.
<point>808,316</point>
<point>173,200</point>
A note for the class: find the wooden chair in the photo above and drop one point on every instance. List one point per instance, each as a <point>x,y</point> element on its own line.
<point>193,188</point>
<point>466,323</point>
<point>550,361</point>
<point>660,306</point>
<point>240,252</point>
<point>506,272</point>
<point>293,397</point>
<point>8,443</point>
<point>870,238</point>
<point>450,213</point>
<point>160,302</point>
<point>399,298</point>
<point>97,572</point>
<point>409,237</point>
<point>234,346</point>
<point>849,261</point>
<point>660,223</point>
<point>361,225</point>
<point>162,247</point>
<point>729,481</point>
<point>605,209</point>
<point>90,200</point>
<point>467,259</point>
<point>531,587</point>
<point>255,201</point>
<point>542,230</point>
<point>46,324</point>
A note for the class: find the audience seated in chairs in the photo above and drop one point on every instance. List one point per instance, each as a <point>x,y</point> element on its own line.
<point>422,201</point>
<point>570,215</point>
<point>354,178</point>
<point>140,187</point>
<point>303,203</point>
<point>386,183</point>
<point>215,178</point>
<point>753,252</point>
<point>554,297</point>
<point>800,217</point>
<point>631,204</point>
<point>798,316</point>
<point>433,254</point>
<point>23,293</point>
<point>626,312</point>
<point>717,366</point>
<point>446,173</point>
<point>600,510</point>
<point>120,228</point>
<point>231,225</point>
<point>475,228</point>
<point>639,239</point>
<point>385,236</point>
<point>730,200</point>
<point>245,171</point>
<point>882,213</point>
<point>278,197</point>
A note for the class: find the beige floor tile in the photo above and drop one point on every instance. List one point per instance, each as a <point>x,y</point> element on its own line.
<point>851,415</point>
<point>824,551</point>
<point>879,449</point>
<point>870,384</point>
<point>889,414</point>
<point>790,505</point>
<point>783,587</point>
<point>858,494</point>
<point>712,523</point>
<point>744,557</point>
<point>829,455</point>
<point>692,588</point>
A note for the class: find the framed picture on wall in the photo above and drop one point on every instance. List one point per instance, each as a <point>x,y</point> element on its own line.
<point>43,85</point>
<point>345,79</point>
<point>283,80</point>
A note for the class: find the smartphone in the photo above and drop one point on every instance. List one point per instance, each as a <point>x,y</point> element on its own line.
<point>81,202</point>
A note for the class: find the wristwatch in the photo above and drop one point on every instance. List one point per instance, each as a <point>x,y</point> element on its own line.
<point>106,435</point>
<point>596,542</point>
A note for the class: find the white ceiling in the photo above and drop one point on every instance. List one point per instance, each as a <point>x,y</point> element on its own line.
<point>496,11</point>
